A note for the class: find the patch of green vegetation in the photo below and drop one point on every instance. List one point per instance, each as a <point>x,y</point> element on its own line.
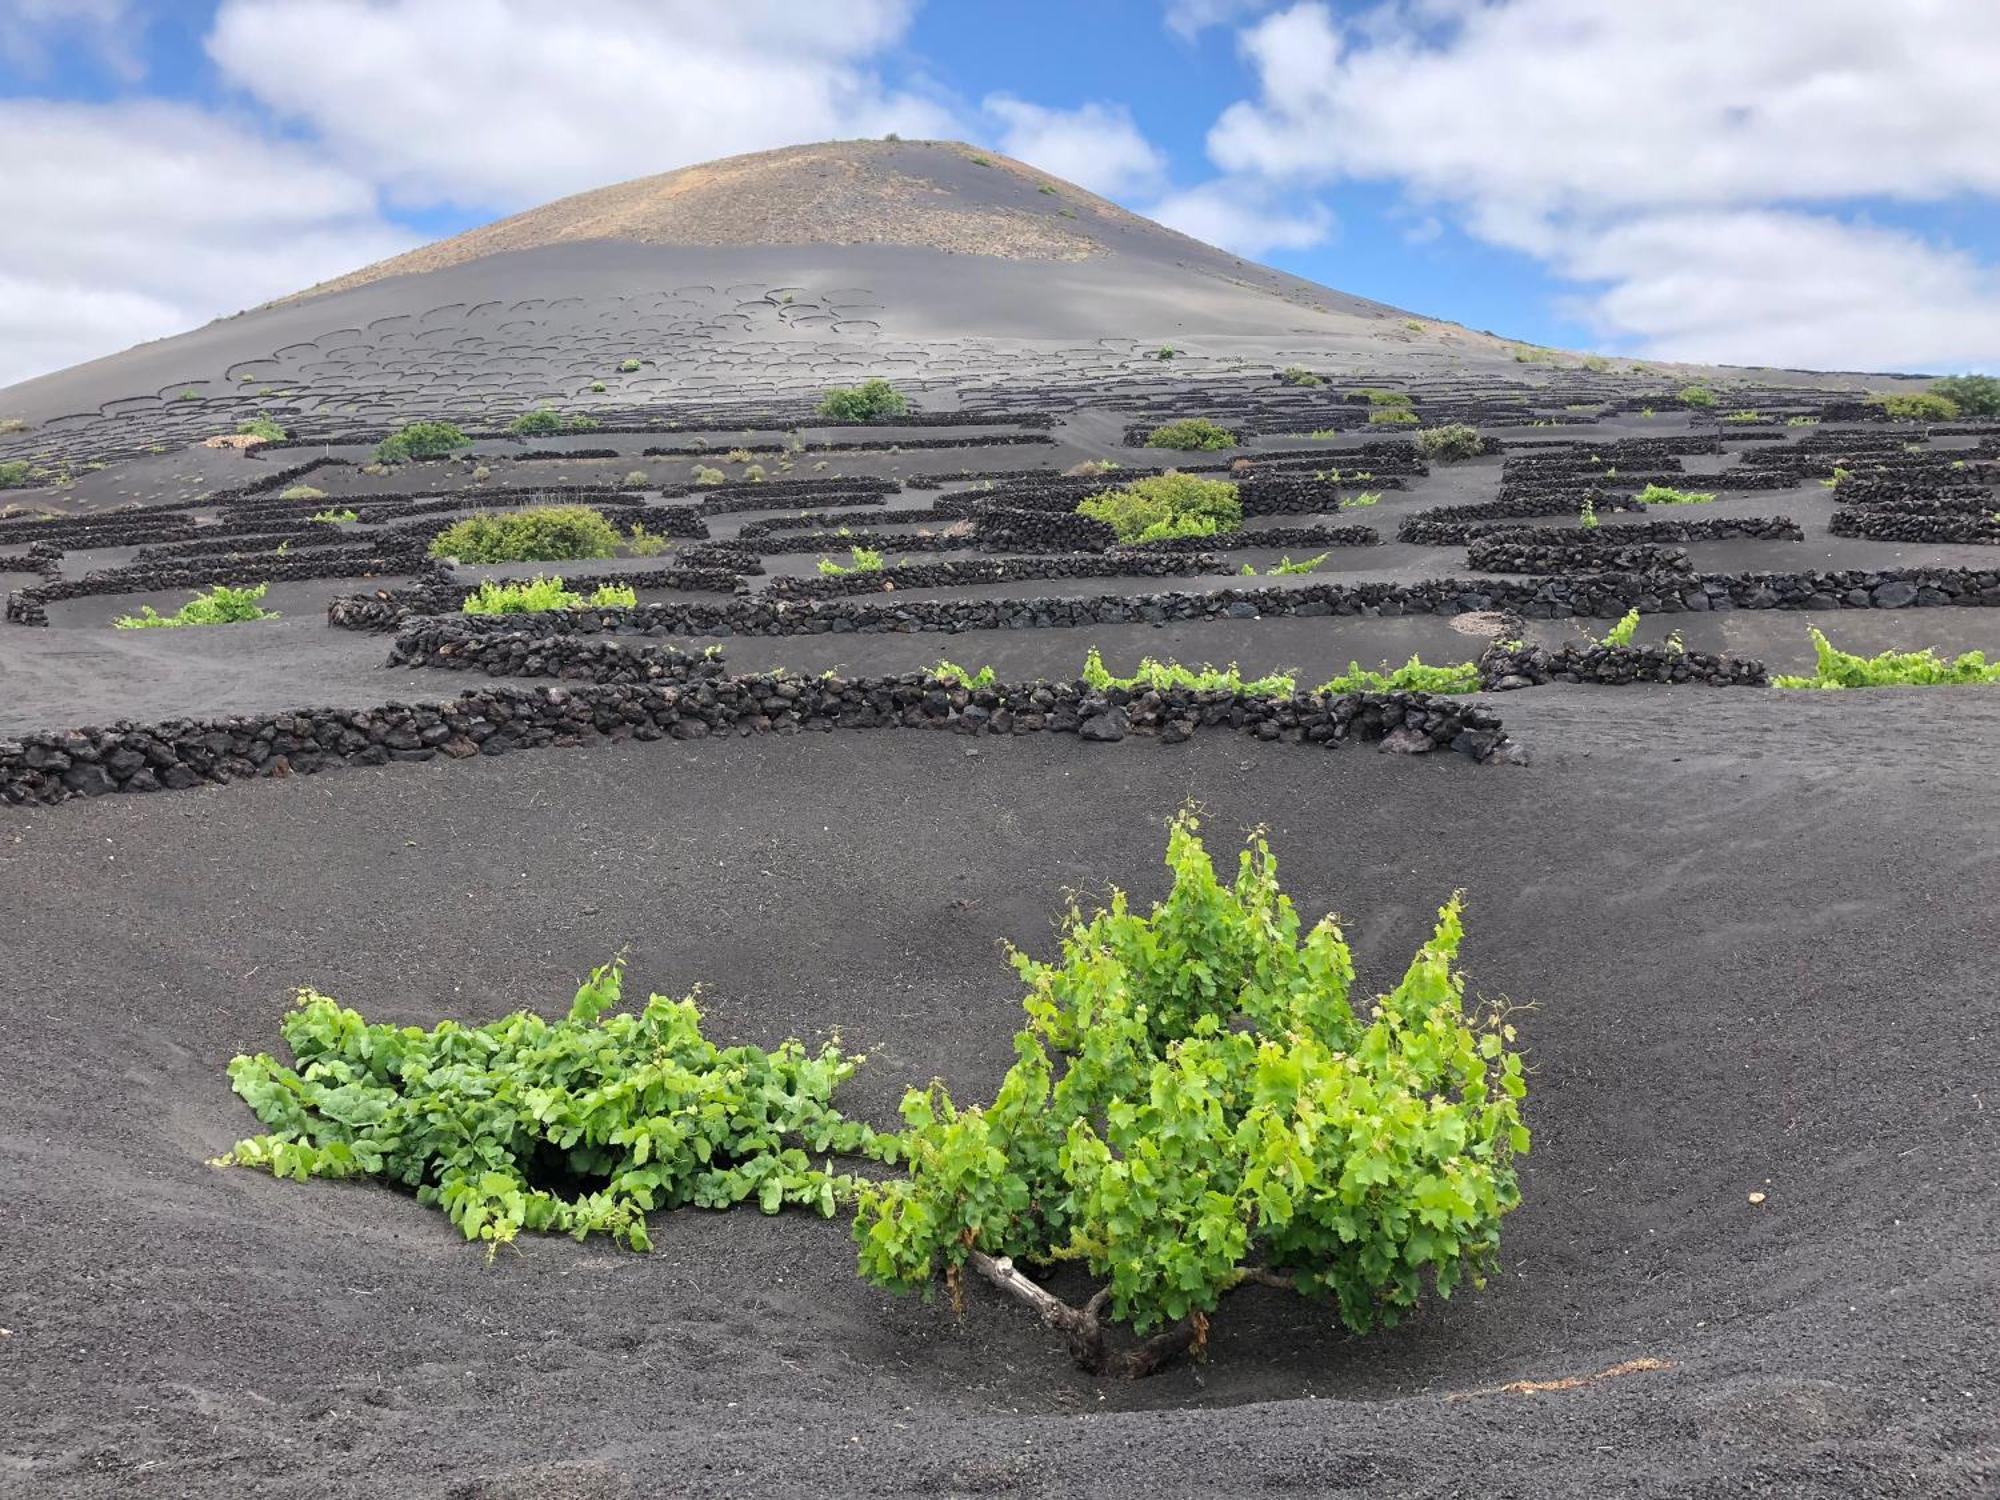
<point>1586,514</point>
<point>1361,501</point>
<point>1197,1104</point>
<point>864,560</point>
<point>1299,375</point>
<point>949,671</point>
<point>1191,435</point>
<point>1696,395</point>
<point>538,533</point>
<point>1160,506</point>
<point>638,479</point>
<point>221,605</point>
<point>639,1112</point>
<point>863,403</point>
<point>1161,676</point>
<point>1284,567</point>
<point>1165,351</point>
<point>1923,407</point>
<point>1802,421</point>
<point>643,543</point>
<point>526,597</point>
<point>10,425</point>
<point>1376,395</point>
<point>705,476</point>
<point>1622,633</point>
<point>1661,494</point>
<point>261,426</point>
<point>628,367</point>
<point>330,517</point>
<point>1392,416</point>
<point>421,440</point>
<point>1744,417</point>
<point>1413,676</point>
<point>1973,395</point>
<point>16,474</point>
<point>1046,187</point>
<point>545,422</point>
<point>1451,443</point>
<point>1835,670</point>
<point>301,492</point>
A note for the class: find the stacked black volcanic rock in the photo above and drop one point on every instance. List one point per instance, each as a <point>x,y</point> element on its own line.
<point>1570,552</point>
<point>1119,563</point>
<point>47,768</point>
<point>1513,664</point>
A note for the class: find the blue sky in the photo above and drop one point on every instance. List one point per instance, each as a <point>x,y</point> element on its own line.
<point>1803,182</point>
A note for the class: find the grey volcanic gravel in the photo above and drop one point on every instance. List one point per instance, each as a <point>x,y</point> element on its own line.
<point>1698,1035</point>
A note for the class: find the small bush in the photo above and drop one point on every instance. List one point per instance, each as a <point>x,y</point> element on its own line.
<point>1973,395</point>
<point>1744,417</point>
<point>579,1126</point>
<point>628,367</point>
<point>1661,494</point>
<point>301,492</point>
<point>421,440</point>
<point>1923,407</point>
<point>15,474</point>
<point>262,427</point>
<point>1835,670</point>
<point>1159,676</point>
<point>1197,1104</point>
<point>705,476</point>
<point>1412,677</point>
<point>947,671</point>
<point>1169,504</point>
<point>636,480</point>
<point>863,403</point>
<point>1586,514</point>
<point>1361,501</point>
<point>517,597</point>
<point>1284,567</point>
<point>643,543</point>
<point>1450,443</point>
<point>1802,421</point>
<point>864,560</point>
<point>543,533</point>
<point>1191,435</point>
<point>1165,351</point>
<point>1622,633</point>
<point>221,605</point>
<point>1697,395</point>
<point>1299,375</point>
<point>541,422</point>
<point>1392,416</point>
<point>335,517</point>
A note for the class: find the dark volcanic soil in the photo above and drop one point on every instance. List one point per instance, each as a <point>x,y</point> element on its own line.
<point>1763,968</point>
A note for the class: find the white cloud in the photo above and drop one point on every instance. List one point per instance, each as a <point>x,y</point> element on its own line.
<point>32,30</point>
<point>1096,146</point>
<point>1242,217</point>
<point>150,218</point>
<point>1592,135</point>
<point>1765,287</point>
<point>509,102</point>
<point>1188,19</point>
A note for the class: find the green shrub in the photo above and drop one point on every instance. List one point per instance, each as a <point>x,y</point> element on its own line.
<point>1661,494</point>
<point>1392,416</point>
<point>1299,375</point>
<point>1744,416</point>
<point>1165,351</point>
<point>531,597</point>
<point>579,1126</point>
<point>1284,567</point>
<point>949,671</point>
<point>1973,395</point>
<point>1450,443</point>
<point>1197,1105</point>
<point>1923,407</point>
<point>628,367</point>
<point>863,403</point>
<point>1191,434</point>
<point>221,605</point>
<point>1697,395</point>
<point>1169,504</point>
<point>643,543</point>
<point>334,517</point>
<point>1834,669</point>
<point>15,474</point>
<point>301,492</point>
<point>541,422</point>
<point>1376,395</point>
<point>1160,676</point>
<point>705,476</point>
<point>261,426</point>
<point>1802,421</point>
<point>1622,633</point>
<point>421,440</point>
<point>1586,514</point>
<point>541,533</point>
<point>864,561</point>
<point>1412,677</point>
